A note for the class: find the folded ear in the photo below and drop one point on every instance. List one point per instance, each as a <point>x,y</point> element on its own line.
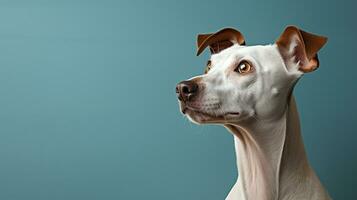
<point>219,40</point>
<point>301,48</point>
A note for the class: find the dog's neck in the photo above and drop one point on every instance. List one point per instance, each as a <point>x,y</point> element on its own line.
<point>272,162</point>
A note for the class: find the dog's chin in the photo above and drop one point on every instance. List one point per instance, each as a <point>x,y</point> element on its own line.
<point>200,117</point>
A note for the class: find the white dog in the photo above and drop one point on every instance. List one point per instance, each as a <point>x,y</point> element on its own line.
<point>248,89</point>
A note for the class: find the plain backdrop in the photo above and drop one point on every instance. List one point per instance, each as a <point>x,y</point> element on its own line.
<point>88,108</point>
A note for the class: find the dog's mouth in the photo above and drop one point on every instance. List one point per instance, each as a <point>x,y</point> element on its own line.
<point>199,115</point>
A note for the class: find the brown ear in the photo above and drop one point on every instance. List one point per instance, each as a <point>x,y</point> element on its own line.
<point>201,38</point>
<point>300,46</point>
<point>219,41</point>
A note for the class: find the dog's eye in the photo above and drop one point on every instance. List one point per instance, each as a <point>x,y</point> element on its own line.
<point>244,67</point>
<point>208,66</point>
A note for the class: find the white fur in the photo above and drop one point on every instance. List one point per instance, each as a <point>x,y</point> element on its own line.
<point>271,160</point>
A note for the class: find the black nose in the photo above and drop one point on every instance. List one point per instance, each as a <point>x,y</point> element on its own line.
<point>185,90</point>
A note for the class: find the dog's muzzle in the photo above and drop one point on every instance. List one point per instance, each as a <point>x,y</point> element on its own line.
<point>186,90</point>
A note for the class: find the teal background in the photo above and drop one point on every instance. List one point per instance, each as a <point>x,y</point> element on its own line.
<point>88,108</point>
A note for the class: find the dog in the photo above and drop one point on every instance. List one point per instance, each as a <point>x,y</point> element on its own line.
<point>249,90</point>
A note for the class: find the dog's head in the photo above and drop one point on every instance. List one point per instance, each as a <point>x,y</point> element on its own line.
<point>246,82</point>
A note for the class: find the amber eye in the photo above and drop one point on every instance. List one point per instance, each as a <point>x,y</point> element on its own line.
<point>244,67</point>
<point>208,66</point>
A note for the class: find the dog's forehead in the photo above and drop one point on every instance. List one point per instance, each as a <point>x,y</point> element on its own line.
<point>223,55</point>
<point>266,53</point>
